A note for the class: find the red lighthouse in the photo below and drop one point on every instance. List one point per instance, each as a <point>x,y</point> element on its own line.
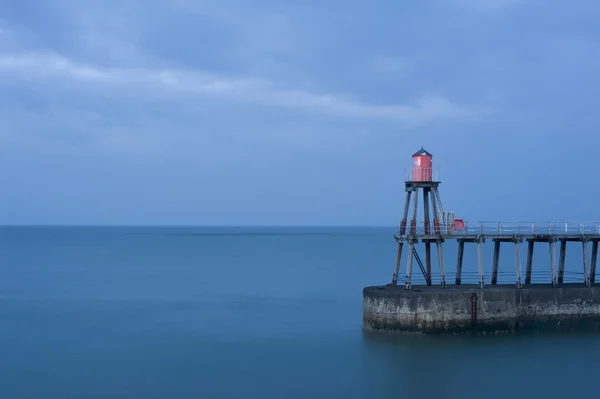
<point>422,166</point>
<point>421,184</point>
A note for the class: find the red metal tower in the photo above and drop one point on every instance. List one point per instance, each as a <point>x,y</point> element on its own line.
<point>422,178</point>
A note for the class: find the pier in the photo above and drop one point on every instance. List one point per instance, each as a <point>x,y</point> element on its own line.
<point>586,234</point>
<point>482,304</point>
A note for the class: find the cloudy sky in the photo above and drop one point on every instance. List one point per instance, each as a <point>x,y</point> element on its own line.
<point>295,112</point>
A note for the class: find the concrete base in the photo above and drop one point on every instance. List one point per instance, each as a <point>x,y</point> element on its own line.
<point>468,309</point>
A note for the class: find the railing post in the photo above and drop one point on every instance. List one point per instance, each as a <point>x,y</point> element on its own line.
<point>532,227</point>
<point>549,228</point>
<point>553,261</point>
<point>566,227</point>
<point>499,228</point>
<point>480,260</point>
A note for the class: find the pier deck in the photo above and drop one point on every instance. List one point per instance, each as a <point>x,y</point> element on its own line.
<point>500,237</point>
<point>498,232</point>
<point>544,231</point>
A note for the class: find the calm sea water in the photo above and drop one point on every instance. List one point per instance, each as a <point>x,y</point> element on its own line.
<point>242,312</point>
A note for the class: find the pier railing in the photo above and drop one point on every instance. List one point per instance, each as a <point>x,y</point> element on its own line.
<point>503,277</point>
<point>460,227</point>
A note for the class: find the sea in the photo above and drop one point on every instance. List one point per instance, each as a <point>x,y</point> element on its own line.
<point>247,312</point>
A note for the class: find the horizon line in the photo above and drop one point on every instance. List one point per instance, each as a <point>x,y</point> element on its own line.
<point>192,225</point>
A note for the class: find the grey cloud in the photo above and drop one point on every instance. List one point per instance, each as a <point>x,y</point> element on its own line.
<point>53,66</point>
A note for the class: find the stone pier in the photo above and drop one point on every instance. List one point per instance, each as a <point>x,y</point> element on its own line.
<point>468,309</point>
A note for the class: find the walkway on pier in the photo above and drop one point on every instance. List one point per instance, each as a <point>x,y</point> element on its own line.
<point>459,229</point>
<point>498,232</point>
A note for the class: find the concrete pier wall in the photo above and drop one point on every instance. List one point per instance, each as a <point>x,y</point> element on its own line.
<point>469,309</point>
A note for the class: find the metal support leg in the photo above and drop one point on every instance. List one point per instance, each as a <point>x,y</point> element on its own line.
<point>495,261</point>
<point>411,249</point>
<point>459,262</point>
<point>586,263</point>
<point>529,261</point>
<point>518,262</point>
<point>561,261</point>
<point>413,222</point>
<point>408,282</point>
<point>428,262</point>
<point>437,198</point>
<point>438,247</point>
<point>401,244</point>
<point>480,261</point>
<point>405,214</point>
<point>553,262</point>
<point>436,219</point>
<point>594,258</point>
<point>426,211</point>
<point>397,269</point>
<point>427,232</point>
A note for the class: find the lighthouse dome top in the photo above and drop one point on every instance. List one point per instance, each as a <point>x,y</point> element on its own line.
<point>422,152</point>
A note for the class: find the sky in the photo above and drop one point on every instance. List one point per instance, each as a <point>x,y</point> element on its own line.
<point>226,112</point>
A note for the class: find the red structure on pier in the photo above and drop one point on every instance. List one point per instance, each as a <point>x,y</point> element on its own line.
<point>422,166</point>
<point>420,180</point>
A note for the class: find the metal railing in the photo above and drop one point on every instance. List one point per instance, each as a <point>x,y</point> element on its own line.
<point>503,277</point>
<point>421,174</point>
<point>504,228</point>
